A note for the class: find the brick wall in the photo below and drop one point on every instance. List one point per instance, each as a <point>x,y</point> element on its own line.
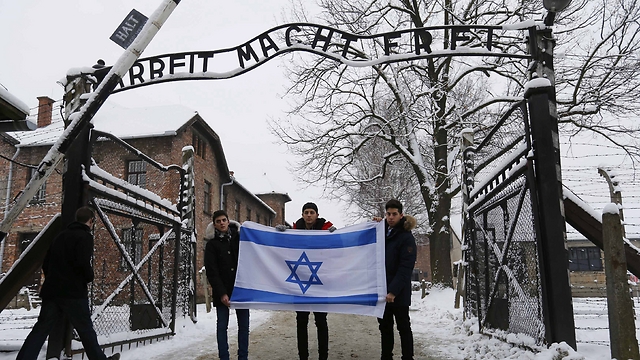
<point>113,158</point>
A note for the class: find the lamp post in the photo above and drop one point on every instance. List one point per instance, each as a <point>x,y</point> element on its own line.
<point>551,227</point>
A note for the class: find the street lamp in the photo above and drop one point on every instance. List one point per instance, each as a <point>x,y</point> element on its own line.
<point>553,6</point>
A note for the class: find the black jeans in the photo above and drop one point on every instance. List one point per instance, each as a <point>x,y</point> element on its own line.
<point>302,321</point>
<point>52,310</point>
<point>401,313</point>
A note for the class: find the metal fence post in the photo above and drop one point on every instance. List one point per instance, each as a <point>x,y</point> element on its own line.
<point>622,330</point>
<point>553,254</point>
<point>467,137</point>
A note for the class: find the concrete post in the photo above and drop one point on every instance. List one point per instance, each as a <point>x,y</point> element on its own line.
<point>205,289</point>
<point>622,330</point>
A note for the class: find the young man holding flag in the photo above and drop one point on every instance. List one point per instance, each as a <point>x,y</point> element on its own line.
<point>310,220</point>
<point>400,258</point>
<point>221,264</point>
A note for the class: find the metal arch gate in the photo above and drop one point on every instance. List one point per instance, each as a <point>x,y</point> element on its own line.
<point>334,44</point>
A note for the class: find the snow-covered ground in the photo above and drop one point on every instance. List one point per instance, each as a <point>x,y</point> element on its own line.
<point>433,317</point>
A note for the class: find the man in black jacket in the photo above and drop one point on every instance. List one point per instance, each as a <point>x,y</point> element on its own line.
<point>221,264</point>
<point>67,271</point>
<point>400,258</point>
<point>310,220</point>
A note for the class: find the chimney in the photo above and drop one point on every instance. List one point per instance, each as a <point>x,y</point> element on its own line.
<point>45,107</point>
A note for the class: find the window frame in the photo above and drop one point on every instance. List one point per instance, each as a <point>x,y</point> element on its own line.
<point>137,174</point>
<point>128,245</point>
<point>591,259</point>
<point>199,145</point>
<point>206,206</point>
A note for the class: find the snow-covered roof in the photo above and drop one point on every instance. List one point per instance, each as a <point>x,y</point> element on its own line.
<point>11,108</point>
<point>125,123</point>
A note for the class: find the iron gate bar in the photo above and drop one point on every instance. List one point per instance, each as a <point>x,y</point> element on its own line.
<point>130,193</point>
<point>114,235</point>
<point>496,189</point>
<point>498,154</point>
<point>502,253</point>
<point>102,190</point>
<point>519,105</point>
<point>110,206</point>
<point>124,282</point>
<point>96,134</point>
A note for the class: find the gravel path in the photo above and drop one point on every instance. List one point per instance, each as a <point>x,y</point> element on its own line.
<point>350,337</point>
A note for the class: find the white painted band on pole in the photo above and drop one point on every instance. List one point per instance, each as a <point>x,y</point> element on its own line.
<point>88,110</point>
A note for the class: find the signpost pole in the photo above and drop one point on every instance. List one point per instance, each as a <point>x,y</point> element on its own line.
<point>82,118</point>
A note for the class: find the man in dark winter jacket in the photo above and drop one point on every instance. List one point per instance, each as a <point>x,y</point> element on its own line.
<point>311,221</point>
<point>400,258</point>
<point>221,263</point>
<point>67,271</point>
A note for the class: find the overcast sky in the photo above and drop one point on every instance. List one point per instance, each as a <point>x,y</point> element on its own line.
<point>42,40</point>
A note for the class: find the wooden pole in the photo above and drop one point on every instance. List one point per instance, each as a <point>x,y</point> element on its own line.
<point>622,330</point>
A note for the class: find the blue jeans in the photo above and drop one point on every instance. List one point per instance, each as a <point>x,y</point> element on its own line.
<point>51,312</point>
<point>222,323</point>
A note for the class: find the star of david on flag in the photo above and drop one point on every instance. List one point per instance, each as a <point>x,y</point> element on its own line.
<point>312,270</point>
<point>313,277</point>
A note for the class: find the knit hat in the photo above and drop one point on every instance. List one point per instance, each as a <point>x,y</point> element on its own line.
<point>310,205</point>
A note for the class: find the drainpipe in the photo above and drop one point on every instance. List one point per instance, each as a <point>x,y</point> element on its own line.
<point>222,188</point>
<point>6,202</point>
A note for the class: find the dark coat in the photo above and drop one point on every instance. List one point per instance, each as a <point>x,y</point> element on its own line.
<point>320,224</point>
<point>67,265</point>
<point>221,260</point>
<point>400,258</point>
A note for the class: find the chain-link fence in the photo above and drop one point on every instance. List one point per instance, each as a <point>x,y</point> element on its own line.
<point>503,287</point>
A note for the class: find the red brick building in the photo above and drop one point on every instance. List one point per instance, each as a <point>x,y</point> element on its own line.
<point>159,132</point>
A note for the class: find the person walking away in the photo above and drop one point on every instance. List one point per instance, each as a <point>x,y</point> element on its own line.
<point>400,258</point>
<point>221,263</point>
<point>67,271</point>
<point>310,220</point>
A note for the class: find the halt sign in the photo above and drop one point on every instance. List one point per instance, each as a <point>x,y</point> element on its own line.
<point>129,28</point>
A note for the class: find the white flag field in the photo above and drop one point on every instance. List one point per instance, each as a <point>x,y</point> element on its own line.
<point>312,270</point>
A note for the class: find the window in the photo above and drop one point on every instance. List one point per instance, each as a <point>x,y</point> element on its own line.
<point>137,173</point>
<point>585,259</point>
<point>199,146</point>
<point>133,244</point>
<point>237,210</point>
<point>248,214</point>
<point>207,197</point>
<point>41,193</point>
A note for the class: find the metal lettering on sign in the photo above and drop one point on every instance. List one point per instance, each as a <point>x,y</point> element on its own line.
<point>332,43</point>
<point>129,29</point>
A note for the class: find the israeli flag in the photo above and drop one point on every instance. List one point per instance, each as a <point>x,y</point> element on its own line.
<point>312,270</point>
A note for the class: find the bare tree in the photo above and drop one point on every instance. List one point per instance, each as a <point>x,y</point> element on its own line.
<point>360,129</point>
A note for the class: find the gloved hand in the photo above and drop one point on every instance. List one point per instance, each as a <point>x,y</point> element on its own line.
<point>281,227</point>
<point>332,228</point>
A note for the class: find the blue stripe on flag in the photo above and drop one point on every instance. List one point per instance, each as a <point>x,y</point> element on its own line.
<point>251,295</point>
<point>301,241</point>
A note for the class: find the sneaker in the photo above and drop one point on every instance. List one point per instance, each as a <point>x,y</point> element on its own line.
<point>115,356</point>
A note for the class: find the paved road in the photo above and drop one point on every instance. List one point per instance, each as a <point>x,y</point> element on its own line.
<point>350,337</point>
